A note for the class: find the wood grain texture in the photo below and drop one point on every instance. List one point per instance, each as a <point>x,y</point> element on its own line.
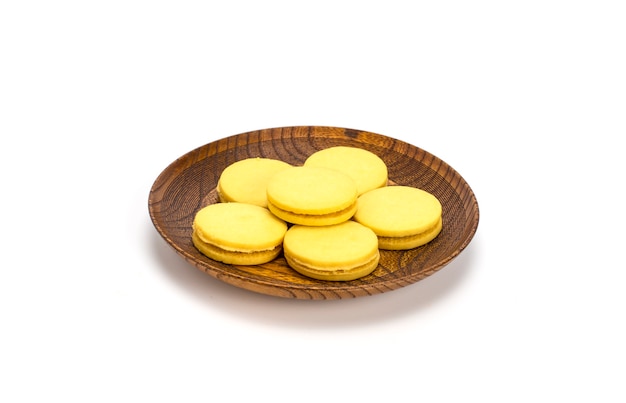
<point>189,183</point>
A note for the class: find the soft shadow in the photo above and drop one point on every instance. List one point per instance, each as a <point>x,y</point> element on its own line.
<point>276,311</point>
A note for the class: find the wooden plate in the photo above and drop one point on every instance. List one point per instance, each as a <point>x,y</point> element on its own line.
<point>189,183</point>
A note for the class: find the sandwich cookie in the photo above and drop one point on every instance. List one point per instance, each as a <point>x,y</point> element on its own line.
<point>238,233</point>
<point>312,196</point>
<point>402,217</point>
<point>339,252</point>
<point>245,180</point>
<point>367,169</point>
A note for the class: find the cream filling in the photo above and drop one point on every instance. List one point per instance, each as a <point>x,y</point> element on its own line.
<point>247,258</point>
<point>198,233</point>
<point>332,270</point>
<point>388,242</point>
<point>288,213</point>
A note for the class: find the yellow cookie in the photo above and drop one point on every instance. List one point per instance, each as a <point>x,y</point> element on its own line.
<point>312,196</point>
<point>339,252</point>
<point>402,217</point>
<point>245,180</point>
<point>367,169</point>
<point>238,233</point>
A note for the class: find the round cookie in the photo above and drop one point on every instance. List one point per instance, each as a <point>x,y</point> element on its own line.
<point>245,180</point>
<point>312,196</point>
<point>238,233</point>
<point>367,169</point>
<point>402,217</point>
<point>339,252</point>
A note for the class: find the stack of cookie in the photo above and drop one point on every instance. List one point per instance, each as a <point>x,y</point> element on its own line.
<point>336,212</point>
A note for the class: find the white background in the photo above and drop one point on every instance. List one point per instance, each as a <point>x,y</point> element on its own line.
<point>526,100</point>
